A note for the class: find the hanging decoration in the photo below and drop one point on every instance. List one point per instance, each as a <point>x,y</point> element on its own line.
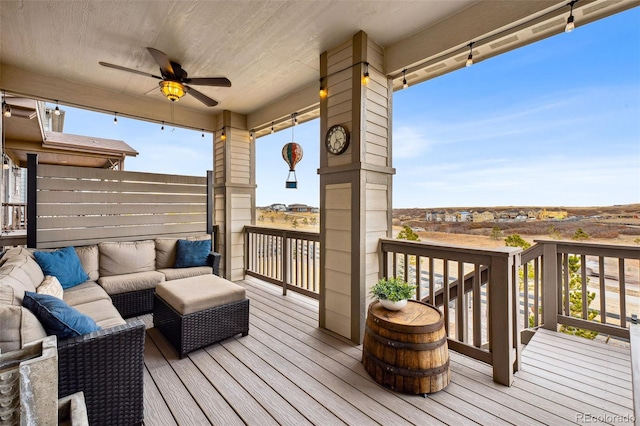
<point>292,154</point>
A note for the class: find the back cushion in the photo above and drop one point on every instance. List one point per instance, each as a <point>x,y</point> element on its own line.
<point>165,252</point>
<point>27,265</point>
<point>19,327</point>
<point>13,283</point>
<point>89,259</point>
<point>117,258</point>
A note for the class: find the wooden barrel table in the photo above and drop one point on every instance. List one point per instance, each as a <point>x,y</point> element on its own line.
<point>406,350</point>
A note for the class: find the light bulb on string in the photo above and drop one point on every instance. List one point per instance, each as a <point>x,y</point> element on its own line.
<point>272,129</point>
<point>365,77</point>
<point>470,57</point>
<point>115,118</point>
<point>404,79</point>
<point>570,20</point>
<point>56,111</point>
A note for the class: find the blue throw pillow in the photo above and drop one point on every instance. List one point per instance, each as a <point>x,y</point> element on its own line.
<point>64,264</point>
<point>57,317</point>
<point>192,253</point>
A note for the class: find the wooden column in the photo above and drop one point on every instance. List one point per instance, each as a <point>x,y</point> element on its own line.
<point>234,190</point>
<point>355,187</point>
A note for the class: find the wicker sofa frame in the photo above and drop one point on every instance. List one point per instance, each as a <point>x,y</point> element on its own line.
<point>108,366</point>
<point>193,331</point>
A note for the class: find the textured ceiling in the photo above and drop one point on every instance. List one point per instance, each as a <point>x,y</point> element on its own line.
<point>266,48</point>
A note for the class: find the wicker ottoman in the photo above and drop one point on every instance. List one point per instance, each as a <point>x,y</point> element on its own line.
<point>198,311</point>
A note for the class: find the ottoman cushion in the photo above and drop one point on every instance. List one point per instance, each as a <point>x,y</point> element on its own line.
<point>195,294</point>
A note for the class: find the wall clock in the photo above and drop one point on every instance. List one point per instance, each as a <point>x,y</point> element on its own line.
<point>337,139</point>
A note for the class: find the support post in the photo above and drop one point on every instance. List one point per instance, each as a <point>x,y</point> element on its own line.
<point>501,319</point>
<point>550,286</point>
<point>32,200</point>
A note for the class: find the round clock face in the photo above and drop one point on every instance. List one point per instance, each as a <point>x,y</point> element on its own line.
<point>337,139</point>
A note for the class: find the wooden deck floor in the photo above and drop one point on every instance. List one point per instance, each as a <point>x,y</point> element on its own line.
<point>288,371</point>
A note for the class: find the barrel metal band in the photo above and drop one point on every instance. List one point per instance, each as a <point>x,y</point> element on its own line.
<point>405,345</point>
<point>406,372</point>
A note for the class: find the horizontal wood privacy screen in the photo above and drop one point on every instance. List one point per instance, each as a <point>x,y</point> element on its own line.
<point>80,206</point>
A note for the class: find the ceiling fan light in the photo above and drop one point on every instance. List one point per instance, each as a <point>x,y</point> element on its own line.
<point>173,90</point>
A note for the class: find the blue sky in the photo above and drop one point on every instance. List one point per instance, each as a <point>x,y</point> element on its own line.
<point>555,123</point>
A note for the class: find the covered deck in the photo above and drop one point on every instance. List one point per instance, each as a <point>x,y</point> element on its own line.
<point>290,371</point>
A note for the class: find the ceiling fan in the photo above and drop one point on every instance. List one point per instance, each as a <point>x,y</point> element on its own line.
<point>174,81</point>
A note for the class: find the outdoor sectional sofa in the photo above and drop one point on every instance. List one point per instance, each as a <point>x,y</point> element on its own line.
<point>106,364</point>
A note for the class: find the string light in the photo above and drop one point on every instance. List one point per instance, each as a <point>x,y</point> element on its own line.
<point>365,77</point>
<point>6,109</point>
<point>252,135</point>
<point>404,79</point>
<point>162,128</point>
<point>272,129</point>
<point>202,130</point>
<point>223,136</point>
<point>323,90</point>
<point>295,118</point>
<point>115,118</point>
<point>570,20</point>
<point>56,111</point>
<point>470,57</point>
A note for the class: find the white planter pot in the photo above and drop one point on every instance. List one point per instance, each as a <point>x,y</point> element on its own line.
<point>393,306</point>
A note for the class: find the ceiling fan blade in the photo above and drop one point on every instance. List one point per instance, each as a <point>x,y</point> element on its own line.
<point>209,81</point>
<point>200,96</point>
<point>162,60</point>
<point>118,67</point>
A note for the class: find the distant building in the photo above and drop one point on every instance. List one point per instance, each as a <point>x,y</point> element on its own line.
<point>464,216</point>
<point>277,207</point>
<point>450,217</point>
<point>300,208</point>
<point>485,216</point>
<point>557,215</point>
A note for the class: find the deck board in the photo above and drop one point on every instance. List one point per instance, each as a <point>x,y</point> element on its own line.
<point>289,371</point>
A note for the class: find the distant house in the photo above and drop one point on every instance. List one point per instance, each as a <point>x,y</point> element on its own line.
<point>278,207</point>
<point>557,215</point>
<point>435,216</point>
<point>464,216</point>
<point>300,208</point>
<point>450,217</point>
<point>485,216</point>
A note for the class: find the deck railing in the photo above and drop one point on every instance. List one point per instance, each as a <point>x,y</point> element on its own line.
<point>14,216</point>
<point>579,285</point>
<point>475,289</point>
<point>288,258</point>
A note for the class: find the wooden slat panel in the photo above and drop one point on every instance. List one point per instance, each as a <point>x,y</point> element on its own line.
<point>102,221</point>
<point>45,170</point>
<point>86,241</point>
<point>117,209</point>
<point>133,231</point>
<point>101,185</point>
<point>93,197</point>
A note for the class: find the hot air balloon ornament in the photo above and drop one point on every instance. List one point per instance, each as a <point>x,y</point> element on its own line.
<point>292,154</point>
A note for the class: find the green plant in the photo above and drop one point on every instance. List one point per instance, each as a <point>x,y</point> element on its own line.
<point>496,233</point>
<point>516,240</point>
<point>393,289</point>
<point>408,234</point>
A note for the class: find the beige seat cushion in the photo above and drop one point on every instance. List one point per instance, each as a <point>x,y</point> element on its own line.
<point>103,313</point>
<point>178,273</point>
<point>84,293</point>
<point>19,327</point>
<point>131,282</point>
<point>195,294</point>
<point>118,258</point>
<point>51,286</point>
